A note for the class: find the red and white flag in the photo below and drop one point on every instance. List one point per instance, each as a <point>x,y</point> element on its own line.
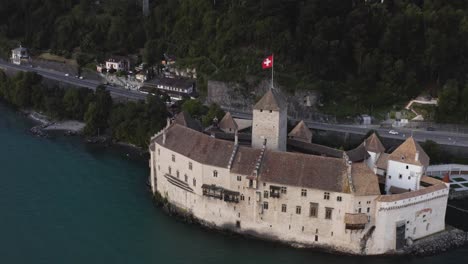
<point>267,62</point>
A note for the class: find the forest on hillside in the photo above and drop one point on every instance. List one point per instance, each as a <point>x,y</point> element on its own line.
<point>363,56</point>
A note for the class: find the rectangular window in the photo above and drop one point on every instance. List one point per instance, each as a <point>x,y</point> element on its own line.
<point>170,171</point>
<point>368,209</point>
<point>265,205</point>
<point>186,178</point>
<point>283,208</point>
<point>283,190</point>
<point>177,172</point>
<point>303,192</point>
<point>173,158</point>
<point>400,176</point>
<point>339,199</point>
<point>265,194</point>
<point>359,210</point>
<point>239,178</point>
<point>298,210</point>
<point>313,212</point>
<point>215,173</point>
<point>326,196</point>
<point>194,182</point>
<point>190,166</point>
<point>328,213</point>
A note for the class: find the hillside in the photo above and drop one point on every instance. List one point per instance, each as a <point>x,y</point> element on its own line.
<point>363,56</point>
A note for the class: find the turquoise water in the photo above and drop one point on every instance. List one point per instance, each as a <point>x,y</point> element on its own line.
<point>64,202</point>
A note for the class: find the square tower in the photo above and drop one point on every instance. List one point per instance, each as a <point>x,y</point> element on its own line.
<point>270,121</point>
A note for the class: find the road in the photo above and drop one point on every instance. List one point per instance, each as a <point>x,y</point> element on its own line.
<point>441,137</point>
<point>59,76</point>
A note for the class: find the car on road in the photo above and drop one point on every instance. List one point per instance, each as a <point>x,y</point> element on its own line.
<point>393,132</point>
<point>430,129</point>
<point>81,77</point>
<point>66,74</point>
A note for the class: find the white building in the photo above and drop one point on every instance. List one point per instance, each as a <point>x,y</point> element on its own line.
<point>117,64</point>
<point>19,55</point>
<point>312,200</point>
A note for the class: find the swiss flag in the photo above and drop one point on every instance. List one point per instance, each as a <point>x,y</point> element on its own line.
<point>267,62</point>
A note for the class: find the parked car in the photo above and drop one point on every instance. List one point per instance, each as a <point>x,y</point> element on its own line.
<point>393,132</point>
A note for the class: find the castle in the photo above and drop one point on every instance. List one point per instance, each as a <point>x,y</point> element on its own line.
<point>363,201</point>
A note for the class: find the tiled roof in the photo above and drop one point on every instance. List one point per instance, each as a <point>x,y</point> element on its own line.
<point>304,170</point>
<point>355,219</point>
<point>358,154</point>
<point>228,123</point>
<point>382,161</point>
<point>286,168</point>
<point>184,119</point>
<point>301,132</point>
<point>197,146</point>
<point>373,144</point>
<point>365,182</point>
<point>406,153</point>
<point>245,160</point>
<point>271,101</point>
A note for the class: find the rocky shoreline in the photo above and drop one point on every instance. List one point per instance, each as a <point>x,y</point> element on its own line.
<point>444,241</point>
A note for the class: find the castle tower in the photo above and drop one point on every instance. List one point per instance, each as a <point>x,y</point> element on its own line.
<point>405,167</point>
<point>270,121</point>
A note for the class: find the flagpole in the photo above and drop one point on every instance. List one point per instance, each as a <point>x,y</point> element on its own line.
<point>272,68</point>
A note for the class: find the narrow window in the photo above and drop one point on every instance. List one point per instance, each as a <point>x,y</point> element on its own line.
<point>368,209</point>
<point>185,178</point>
<point>190,166</point>
<point>177,172</point>
<point>283,208</point>
<point>298,210</point>
<point>339,199</point>
<point>359,210</point>
<point>242,197</point>
<point>326,196</point>
<point>400,176</point>
<point>170,170</point>
<point>313,210</point>
<point>328,213</point>
<point>409,178</point>
<point>316,238</point>
<point>265,205</point>
<point>173,157</point>
<point>283,190</point>
<point>427,226</point>
<point>407,167</point>
<point>265,194</point>
<point>194,182</point>
<point>303,192</point>
<point>215,173</point>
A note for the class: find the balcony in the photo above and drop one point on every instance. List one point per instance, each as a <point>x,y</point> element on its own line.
<point>275,191</point>
<point>220,193</point>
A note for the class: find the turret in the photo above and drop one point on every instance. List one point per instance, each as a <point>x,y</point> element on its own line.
<point>270,122</point>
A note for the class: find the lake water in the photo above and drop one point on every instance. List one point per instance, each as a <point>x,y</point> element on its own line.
<point>62,201</point>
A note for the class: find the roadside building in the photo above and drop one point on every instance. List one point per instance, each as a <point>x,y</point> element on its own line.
<point>117,63</point>
<point>19,55</point>
<point>175,88</point>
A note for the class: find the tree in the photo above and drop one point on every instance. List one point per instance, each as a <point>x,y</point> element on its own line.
<point>194,108</point>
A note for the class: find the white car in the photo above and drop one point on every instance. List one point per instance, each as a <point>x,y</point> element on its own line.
<point>393,132</point>
<point>66,74</point>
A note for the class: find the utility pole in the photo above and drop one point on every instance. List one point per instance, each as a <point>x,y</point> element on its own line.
<point>145,5</point>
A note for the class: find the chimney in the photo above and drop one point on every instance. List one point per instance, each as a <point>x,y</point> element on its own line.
<point>236,138</point>
<point>446,178</point>
<point>416,157</point>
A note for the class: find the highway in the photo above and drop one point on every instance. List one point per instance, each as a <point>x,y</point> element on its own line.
<point>441,137</point>
<point>60,76</point>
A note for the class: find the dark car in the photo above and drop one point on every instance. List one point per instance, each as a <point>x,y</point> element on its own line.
<point>430,129</point>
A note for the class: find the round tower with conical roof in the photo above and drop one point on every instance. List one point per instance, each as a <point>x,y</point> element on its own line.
<point>270,121</point>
